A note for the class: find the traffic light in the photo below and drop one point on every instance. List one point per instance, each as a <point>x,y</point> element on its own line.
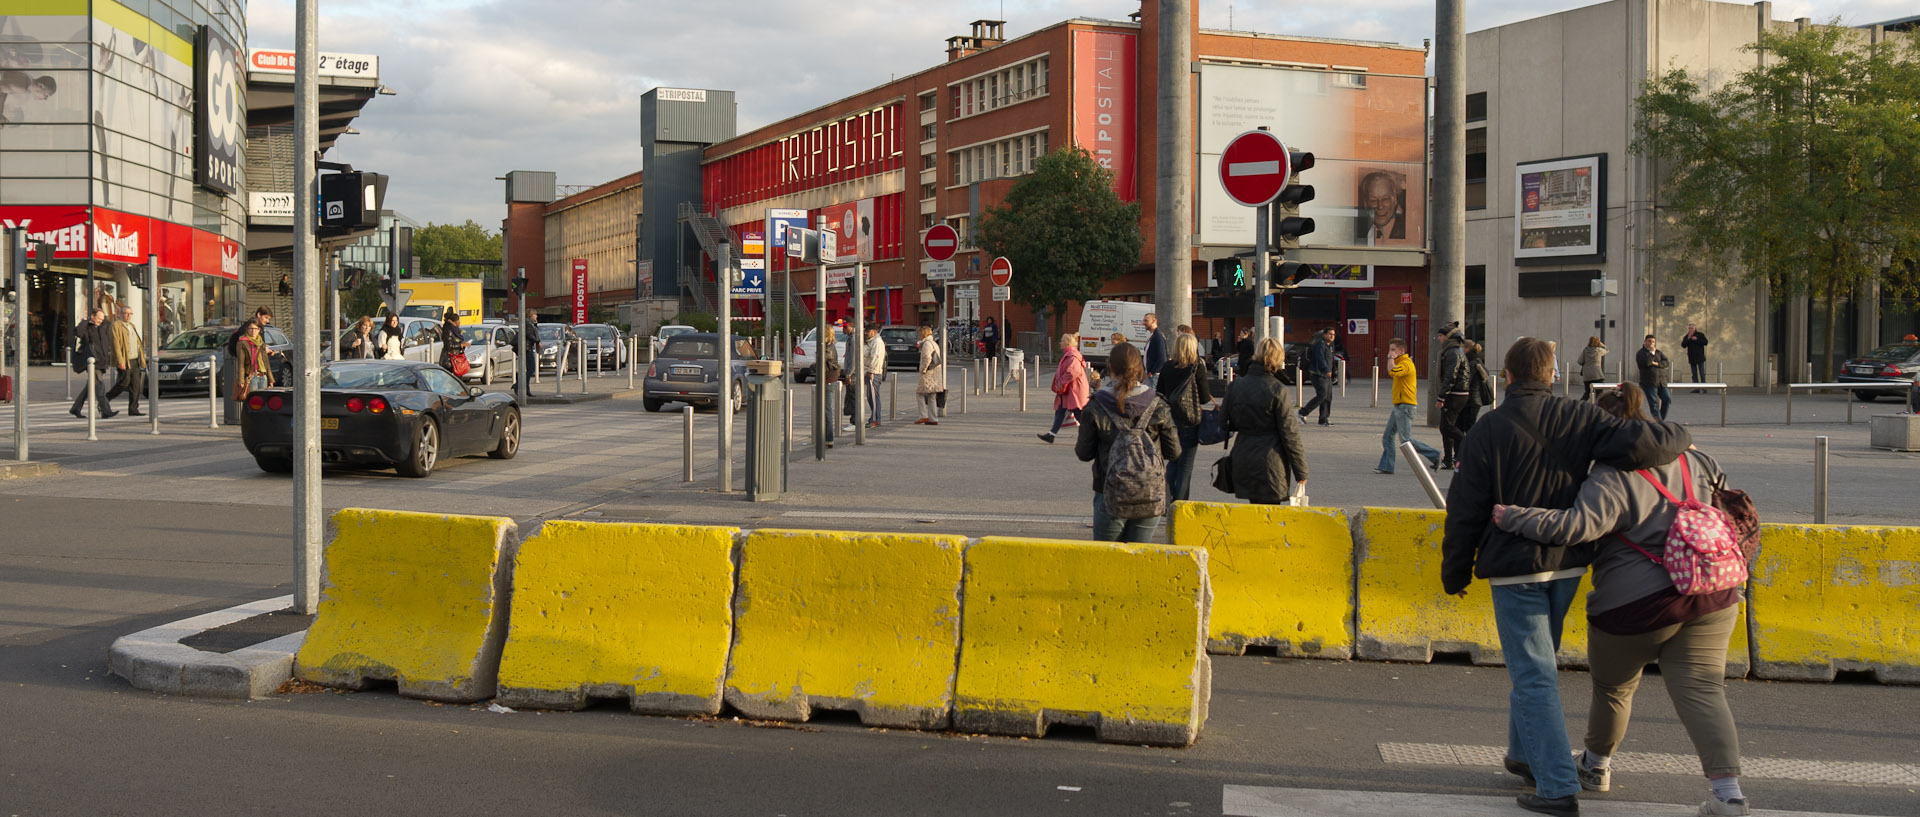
<point>400,251</point>
<point>518,284</point>
<point>1288,224</point>
<point>351,200</point>
<point>349,279</point>
<point>1287,274</point>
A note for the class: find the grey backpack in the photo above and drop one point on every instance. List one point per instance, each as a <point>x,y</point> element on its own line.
<point>1136,482</point>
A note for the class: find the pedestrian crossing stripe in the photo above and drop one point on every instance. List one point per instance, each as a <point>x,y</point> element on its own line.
<point>1266,801</point>
<point>1757,768</point>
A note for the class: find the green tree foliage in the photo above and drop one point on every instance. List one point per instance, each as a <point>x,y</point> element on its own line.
<point>363,299</point>
<point>438,244</point>
<point>1803,172</point>
<point>1065,231</point>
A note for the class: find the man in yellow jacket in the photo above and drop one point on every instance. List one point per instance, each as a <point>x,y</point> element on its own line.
<point>130,358</point>
<point>1405,400</point>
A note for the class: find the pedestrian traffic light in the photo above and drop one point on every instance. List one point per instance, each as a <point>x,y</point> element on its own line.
<point>400,251</point>
<point>1287,274</point>
<point>1288,224</point>
<point>349,279</point>
<point>518,284</point>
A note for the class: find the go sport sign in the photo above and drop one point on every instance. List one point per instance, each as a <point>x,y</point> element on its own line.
<point>218,112</point>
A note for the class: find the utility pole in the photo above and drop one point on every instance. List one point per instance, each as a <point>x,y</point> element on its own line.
<point>308,524</point>
<point>1449,282</point>
<point>1173,172</point>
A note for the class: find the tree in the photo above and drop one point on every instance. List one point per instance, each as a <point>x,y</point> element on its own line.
<point>1065,231</point>
<point>439,244</point>
<point>1803,172</point>
<point>363,299</point>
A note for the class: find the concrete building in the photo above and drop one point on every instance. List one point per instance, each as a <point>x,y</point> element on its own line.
<point>1556,198</point>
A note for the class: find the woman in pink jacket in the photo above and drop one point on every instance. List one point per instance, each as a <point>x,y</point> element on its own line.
<point>1069,384</point>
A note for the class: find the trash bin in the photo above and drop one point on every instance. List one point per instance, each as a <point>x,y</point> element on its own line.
<point>766,399</point>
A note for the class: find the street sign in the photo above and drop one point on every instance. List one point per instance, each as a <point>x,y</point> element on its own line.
<point>782,219</point>
<point>829,246</point>
<point>837,277</point>
<point>940,242</point>
<point>1001,271</point>
<point>1003,293</point>
<point>967,293</point>
<point>1253,168</point>
<point>752,243</point>
<point>753,278</point>
<point>1406,297</point>
<point>937,270</point>
<point>1357,326</point>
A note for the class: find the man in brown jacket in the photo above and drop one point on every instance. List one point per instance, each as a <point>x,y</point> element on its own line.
<point>129,358</point>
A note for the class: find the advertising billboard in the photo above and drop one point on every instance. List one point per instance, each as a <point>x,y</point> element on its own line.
<point>1367,133</point>
<point>579,295</point>
<point>852,224</point>
<point>219,117</point>
<point>1104,104</point>
<point>1559,209</point>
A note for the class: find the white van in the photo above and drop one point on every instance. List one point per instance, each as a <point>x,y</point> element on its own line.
<point>1100,319</point>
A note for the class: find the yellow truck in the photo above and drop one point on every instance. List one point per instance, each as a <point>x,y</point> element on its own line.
<point>432,297</point>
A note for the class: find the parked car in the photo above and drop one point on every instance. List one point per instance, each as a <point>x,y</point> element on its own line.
<point>687,371</point>
<point>400,414</point>
<point>188,360</point>
<point>803,353</point>
<point>492,352</point>
<point>420,339</point>
<point>660,335</point>
<point>602,340</point>
<point>903,351</point>
<point>552,337</point>
<point>1892,363</point>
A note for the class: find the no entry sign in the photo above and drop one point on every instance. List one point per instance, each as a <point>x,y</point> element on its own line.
<point>1253,168</point>
<point>1001,271</point>
<point>940,242</point>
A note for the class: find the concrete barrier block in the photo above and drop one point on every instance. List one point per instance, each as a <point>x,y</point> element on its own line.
<point>1403,615</point>
<point>1282,577</point>
<point>1099,634</point>
<point>863,622</point>
<point>1828,598</point>
<point>414,598</point>
<point>642,612</point>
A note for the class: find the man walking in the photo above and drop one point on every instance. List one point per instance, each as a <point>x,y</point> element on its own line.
<point>873,367</point>
<point>94,341</point>
<point>1318,368</point>
<point>1456,384</point>
<point>1655,372</point>
<point>1695,342</point>
<point>1156,357</point>
<point>1534,451</point>
<point>129,360</point>
<point>1405,400</point>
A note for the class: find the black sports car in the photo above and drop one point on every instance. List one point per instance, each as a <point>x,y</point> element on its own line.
<point>404,414</point>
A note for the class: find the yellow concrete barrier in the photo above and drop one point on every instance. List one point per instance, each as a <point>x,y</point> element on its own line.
<point>1837,597</point>
<point>1094,634</point>
<point>1282,577</point>
<point>866,622</point>
<point>641,612</point>
<point>414,598</point>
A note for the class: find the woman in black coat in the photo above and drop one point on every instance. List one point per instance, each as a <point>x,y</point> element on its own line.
<point>1269,459</point>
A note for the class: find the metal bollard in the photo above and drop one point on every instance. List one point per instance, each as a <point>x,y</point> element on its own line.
<point>560,367</point>
<point>1023,394</point>
<point>893,397</point>
<point>69,367</point>
<point>790,440</point>
<point>1419,465</point>
<point>1343,377</point>
<point>633,359</point>
<point>1719,372</point>
<point>1299,387</point>
<point>93,407</point>
<point>686,444</point>
<point>1566,383</point>
<point>1820,480</point>
<point>600,357</point>
<point>963,391</point>
<point>1376,384</point>
<point>582,347</point>
<point>213,394</point>
<point>993,376</point>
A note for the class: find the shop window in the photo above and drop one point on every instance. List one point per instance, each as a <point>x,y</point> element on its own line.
<point>1477,107</point>
<point>1476,169</point>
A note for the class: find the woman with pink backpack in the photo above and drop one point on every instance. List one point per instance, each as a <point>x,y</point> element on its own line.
<point>1666,590</point>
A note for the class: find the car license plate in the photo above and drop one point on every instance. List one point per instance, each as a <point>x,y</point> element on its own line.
<point>329,423</point>
<point>1863,370</point>
<point>169,376</point>
<point>686,370</point>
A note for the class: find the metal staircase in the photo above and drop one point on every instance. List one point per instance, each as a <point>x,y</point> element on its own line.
<point>707,230</point>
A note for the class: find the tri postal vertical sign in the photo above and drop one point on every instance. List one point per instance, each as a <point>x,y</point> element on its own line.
<point>218,114</point>
<point>579,290</point>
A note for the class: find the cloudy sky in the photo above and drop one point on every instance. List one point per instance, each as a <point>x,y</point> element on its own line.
<point>488,86</point>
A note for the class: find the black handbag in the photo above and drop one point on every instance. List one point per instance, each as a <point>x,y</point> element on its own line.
<point>940,398</point>
<point>1223,475</point>
<point>1210,431</point>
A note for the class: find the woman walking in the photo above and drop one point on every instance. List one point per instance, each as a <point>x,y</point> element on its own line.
<point>453,343</point>
<point>826,375</point>
<point>1269,459</point>
<point>1183,386</point>
<point>1592,365</point>
<point>1129,495</point>
<point>1070,386</point>
<point>392,338</point>
<point>930,385</point>
<point>1636,616</point>
<point>253,370</point>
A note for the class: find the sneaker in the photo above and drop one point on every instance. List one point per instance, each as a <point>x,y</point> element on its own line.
<point>1382,471</point>
<point>1433,463</point>
<point>1070,423</point>
<point>847,429</point>
<point>1716,807</point>
<point>1521,769</point>
<point>1594,779</point>
<point>1568,805</point>
<point>1045,438</point>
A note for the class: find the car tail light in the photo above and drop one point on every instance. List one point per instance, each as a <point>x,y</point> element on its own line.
<point>650,369</point>
<point>377,405</point>
<point>797,351</point>
<point>256,402</point>
<point>1893,371</point>
<point>274,403</point>
<point>355,404</point>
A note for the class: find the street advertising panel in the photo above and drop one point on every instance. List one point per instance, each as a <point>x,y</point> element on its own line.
<point>1367,133</point>
<point>329,64</point>
<point>1559,209</point>
<point>852,225</point>
<point>220,115</point>
<point>111,235</point>
<point>1326,276</point>
<point>1104,104</point>
<point>579,290</point>
<point>143,116</point>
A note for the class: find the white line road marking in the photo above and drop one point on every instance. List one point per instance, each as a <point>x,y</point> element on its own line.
<point>1264,801</point>
<point>1761,768</point>
<point>1270,168</point>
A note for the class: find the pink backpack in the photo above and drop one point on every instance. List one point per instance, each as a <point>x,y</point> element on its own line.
<point>1703,553</point>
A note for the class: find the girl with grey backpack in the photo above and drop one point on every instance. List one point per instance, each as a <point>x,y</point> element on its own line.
<point>1127,432</point>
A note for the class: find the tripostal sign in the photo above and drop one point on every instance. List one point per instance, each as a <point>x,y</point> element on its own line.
<point>579,290</point>
<point>861,140</point>
<point>1104,104</point>
<point>331,64</point>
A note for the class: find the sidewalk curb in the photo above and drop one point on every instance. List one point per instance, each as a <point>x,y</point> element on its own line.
<point>155,660</point>
<point>22,470</point>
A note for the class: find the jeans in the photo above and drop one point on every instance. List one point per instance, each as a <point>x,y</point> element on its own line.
<point>1693,661</point>
<point>1587,396</point>
<point>1659,399</point>
<point>1109,529</point>
<point>1180,471</point>
<point>831,421</point>
<point>1322,397</point>
<point>1699,371</point>
<point>1399,428</point>
<point>873,398</point>
<point>1451,434</point>
<point>1059,417</point>
<point>1529,618</point>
